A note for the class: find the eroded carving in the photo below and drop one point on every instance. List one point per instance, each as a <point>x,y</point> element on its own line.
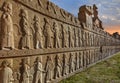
<point>7,36</point>
<point>38,33</point>
<point>24,71</point>
<point>48,32</point>
<point>6,73</point>
<point>38,71</point>
<point>57,35</point>
<point>71,63</point>
<point>65,65</point>
<point>71,36</point>
<point>65,36</point>
<point>26,30</point>
<point>40,3</point>
<point>76,37</point>
<point>49,68</point>
<point>58,67</point>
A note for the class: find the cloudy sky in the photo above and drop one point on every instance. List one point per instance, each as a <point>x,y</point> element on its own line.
<point>109,11</point>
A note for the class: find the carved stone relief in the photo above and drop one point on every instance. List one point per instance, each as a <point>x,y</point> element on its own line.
<point>72,45</point>
<point>24,71</point>
<point>71,63</point>
<point>6,73</point>
<point>49,68</point>
<point>76,37</point>
<point>7,36</point>
<point>48,32</point>
<point>76,61</point>
<point>65,36</point>
<point>63,13</point>
<point>38,71</point>
<point>80,37</point>
<point>71,36</point>
<point>38,33</point>
<point>40,3</point>
<point>58,67</point>
<point>65,65</point>
<point>27,31</point>
<point>58,35</point>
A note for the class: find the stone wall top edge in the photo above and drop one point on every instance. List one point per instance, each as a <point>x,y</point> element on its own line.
<point>70,19</point>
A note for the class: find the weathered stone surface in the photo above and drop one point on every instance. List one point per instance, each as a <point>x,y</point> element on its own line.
<point>42,43</point>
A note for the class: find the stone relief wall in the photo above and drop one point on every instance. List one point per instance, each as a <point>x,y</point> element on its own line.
<point>42,43</point>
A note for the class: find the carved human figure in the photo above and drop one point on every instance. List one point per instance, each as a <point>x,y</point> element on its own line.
<point>80,37</point>
<point>7,37</point>
<point>6,73</point>
<point>76,61</point>
<point>38,71</point>
<point>65,36</point>
<point>71,36</point>
<point>26,29</point>
<point>80,59</point>
<point>24,72</point>
<point>83,37</point>
<point>76,38</point>
<point>48,32</point>
<point>57,35</point>
<point>38,33</point>
<point>65,65</point>
<point>57,67</point>
<point>49,67</point>
<point>71,63</point>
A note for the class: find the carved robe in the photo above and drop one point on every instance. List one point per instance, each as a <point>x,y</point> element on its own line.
<point>38,35</point>
<point>7,75</point>
<point>57,36</point>
<point>49,35</point>
<point>26,74</point>
<point>71,37</point>
<point>65,37</point>
<point>26,39</point>
<point>7,31</point>
<point>49,70</point>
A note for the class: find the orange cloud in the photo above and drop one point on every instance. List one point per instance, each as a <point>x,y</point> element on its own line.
<point>112,29</point>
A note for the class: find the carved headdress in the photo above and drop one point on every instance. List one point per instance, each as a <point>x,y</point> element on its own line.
<point>7,7</point>
<point>24,13</point>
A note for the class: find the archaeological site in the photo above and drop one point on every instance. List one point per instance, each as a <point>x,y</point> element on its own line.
<point>42,43</point>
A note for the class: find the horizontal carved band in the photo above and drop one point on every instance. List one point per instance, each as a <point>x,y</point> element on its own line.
<point>34,52</point>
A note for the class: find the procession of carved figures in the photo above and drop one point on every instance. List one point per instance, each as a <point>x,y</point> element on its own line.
<point>39,32</point>
<point>50,34</point>
<point>54,67</point>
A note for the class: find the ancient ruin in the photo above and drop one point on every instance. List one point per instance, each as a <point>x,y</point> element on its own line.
<point>42,43</point>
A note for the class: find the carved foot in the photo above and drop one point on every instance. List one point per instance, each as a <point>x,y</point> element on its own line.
<point>7,48</point>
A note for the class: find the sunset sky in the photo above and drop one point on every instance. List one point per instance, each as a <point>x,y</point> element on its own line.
<point>109,11</point>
